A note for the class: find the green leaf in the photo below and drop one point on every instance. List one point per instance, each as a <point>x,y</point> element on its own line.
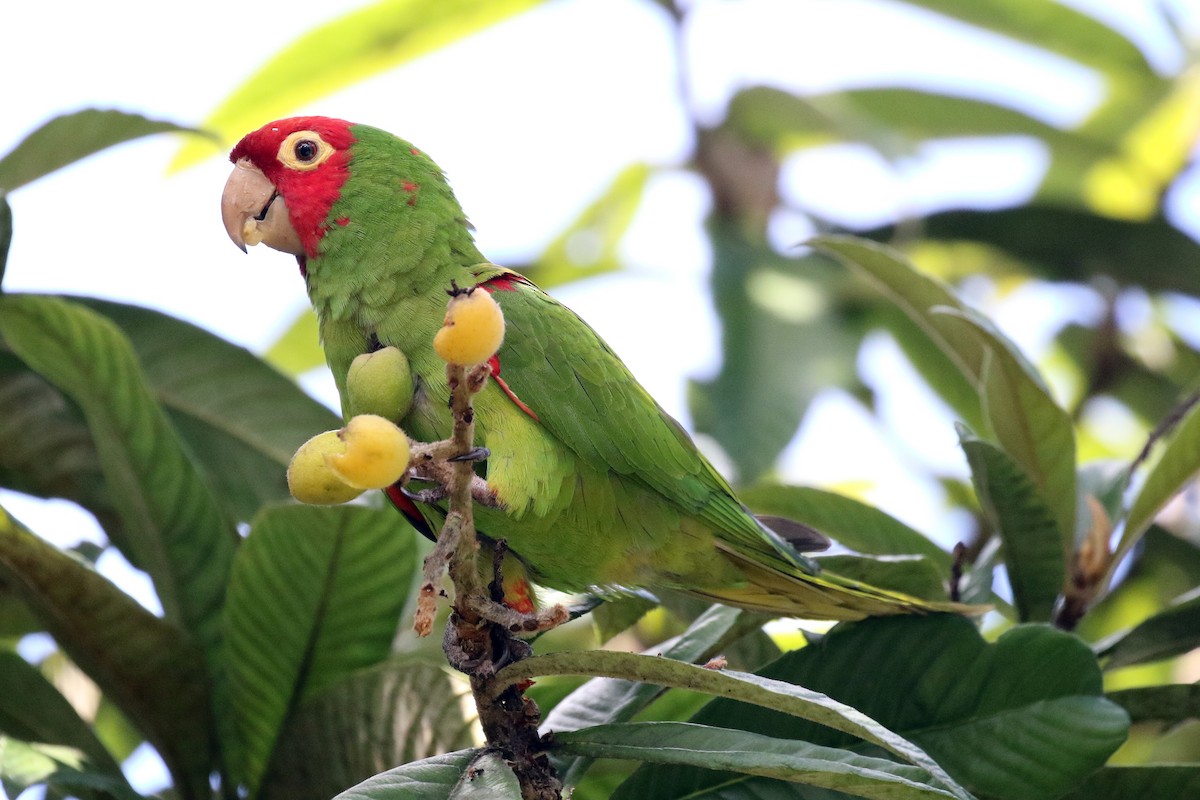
<point>399,711</point>
<point>240,418</point>
<point>1033,553</point>
<point>6,229</point>
<point>1169,633</point>
<point>785,698</point>
<point>618,614</point>
<point>919,296</point>
<point>152,670</point>
<point>25,764</point>
<point>46,449</point>
<point>1172,704</point>
<point>1053,26</point>
<point>33,710</point>
<point>1068,244</point>
<point>1149,781</point>
<point>71,137</point>
<point>607,700</point>
<point>590,245</point>
<point>325,586</point>
<point>487,778</point>
<point>702,747</point>
<point>171,521</point>
<point>429,779</point>
<point>1176,465</point>
<point>855,524</point>
<point>298,349</point>
<point>782,344</point>
<point>344,51</point>
<point>1022,718</point>
<point>1026,422</point>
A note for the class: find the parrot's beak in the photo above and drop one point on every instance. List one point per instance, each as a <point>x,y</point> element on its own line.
<point>253,211</point>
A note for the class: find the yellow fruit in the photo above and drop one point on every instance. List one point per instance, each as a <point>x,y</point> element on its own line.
<point>376,453</point>
<point>379,383</point>
<point>472,331</point>
<point>310,480</point>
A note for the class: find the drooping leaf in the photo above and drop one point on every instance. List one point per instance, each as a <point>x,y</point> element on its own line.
<point>170,518</point>
<point>1178,462</point>
<point>1033,552</point>
<point>614,616</point>
<point>70,137</point>
<point>705,748</point>
<point>429,779</point>
<point>1021,718</point>
<point>608,700</point>
<point>855,524</point>
<point>590,245</point>
<point>1171,704</point>
<point>918,296</point>
<point>1169,633</point>
<point>400,711</point>
<point>151,669</point>
<point>1025,421</point>
<point>487,778</point>
<point>241,418</point>
<point>325,586</point>
<point>785,698</point>
<point>33,710</point>
<point>347,49</point>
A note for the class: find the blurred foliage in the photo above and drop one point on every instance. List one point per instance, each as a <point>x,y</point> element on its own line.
<point>275,665</point>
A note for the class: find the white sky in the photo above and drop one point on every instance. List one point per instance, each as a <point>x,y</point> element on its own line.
<point>530,120</point>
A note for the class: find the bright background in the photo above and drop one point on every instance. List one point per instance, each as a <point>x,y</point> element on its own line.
<point>115,226</point>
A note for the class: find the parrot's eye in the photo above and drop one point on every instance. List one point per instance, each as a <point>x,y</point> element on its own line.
<point>304,150</point>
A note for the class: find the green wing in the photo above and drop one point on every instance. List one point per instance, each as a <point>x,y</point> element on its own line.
<point>587,398</point>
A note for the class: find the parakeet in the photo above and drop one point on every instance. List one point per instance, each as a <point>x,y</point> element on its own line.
<point>597,488</point>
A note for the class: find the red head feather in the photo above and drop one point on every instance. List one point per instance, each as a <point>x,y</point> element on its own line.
<point>309,193</point>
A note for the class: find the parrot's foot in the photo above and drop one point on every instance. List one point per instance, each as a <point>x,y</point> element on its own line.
<point>480,492</point>
<point>474,454</point>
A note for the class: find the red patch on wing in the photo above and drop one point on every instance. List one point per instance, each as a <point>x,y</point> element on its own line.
<point>494,363</point>
<point>506,283</point>
<point>409,509</point>
<point>309,194</point>
<point>518,595</point>
<point>343,221</point>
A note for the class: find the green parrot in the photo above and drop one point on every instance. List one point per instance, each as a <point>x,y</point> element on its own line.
<point>596,487</point>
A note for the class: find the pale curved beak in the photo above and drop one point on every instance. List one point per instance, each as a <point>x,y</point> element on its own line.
<point>253,211</point>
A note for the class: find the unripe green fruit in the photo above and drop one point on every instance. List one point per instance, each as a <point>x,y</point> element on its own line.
<point>376,453</point>
<point>310,480</point>
<point>380,383</point>
<point>472,331</point>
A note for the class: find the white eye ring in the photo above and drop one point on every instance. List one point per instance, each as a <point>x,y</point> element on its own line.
<point>304,150</point>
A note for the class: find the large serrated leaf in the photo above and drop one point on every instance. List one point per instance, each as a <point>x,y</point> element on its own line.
<point>1026,422</point>
<point>400,711</point>
<point>787,698</point>
<point>1022,718</point>
<point>703,747</point>
<point>918,296</point>
<point>1169,633</point>
<point>855,524</point>
<point>1033,553</point>
<point>325,587</point>
<point>170,518</point>
<point>241,419</point>
<point>149,668</point>
<point>429,779</point>
<point>70,137</point>
<point>345,50</point>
